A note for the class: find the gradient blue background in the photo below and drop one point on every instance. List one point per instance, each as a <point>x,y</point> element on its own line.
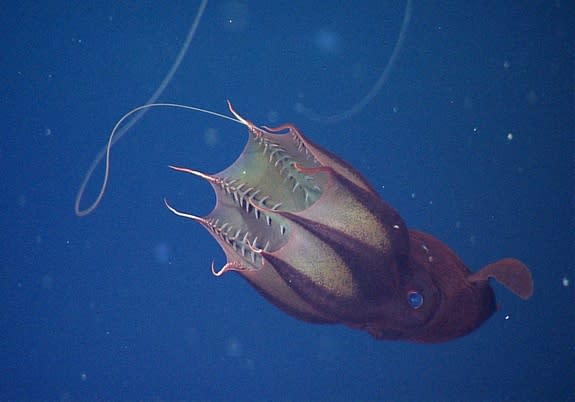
<point>121,305</point>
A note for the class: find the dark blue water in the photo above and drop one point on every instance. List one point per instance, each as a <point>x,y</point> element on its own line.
<point>471,139</point>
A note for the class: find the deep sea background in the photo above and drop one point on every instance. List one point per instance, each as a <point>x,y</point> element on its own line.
<point>471,138</point>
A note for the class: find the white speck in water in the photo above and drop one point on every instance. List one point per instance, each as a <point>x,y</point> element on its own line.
<point>233,347</point>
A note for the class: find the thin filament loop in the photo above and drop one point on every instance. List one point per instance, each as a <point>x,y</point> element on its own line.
<point>329,119</point>
<point>105,152</point>
<point>114,137</point>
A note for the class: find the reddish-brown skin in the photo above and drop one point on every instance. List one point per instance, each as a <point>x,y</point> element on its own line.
<point>314,238</point>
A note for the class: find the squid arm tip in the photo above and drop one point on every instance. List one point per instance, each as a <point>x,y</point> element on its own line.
<point>237,116</point>
<point>180,213</point>
<point>194,172</point>
<point>219,272</point>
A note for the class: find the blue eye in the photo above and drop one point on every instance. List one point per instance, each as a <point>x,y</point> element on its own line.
<point>415,299</point>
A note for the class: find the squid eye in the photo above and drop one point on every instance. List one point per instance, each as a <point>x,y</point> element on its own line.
<point>415,299</point>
